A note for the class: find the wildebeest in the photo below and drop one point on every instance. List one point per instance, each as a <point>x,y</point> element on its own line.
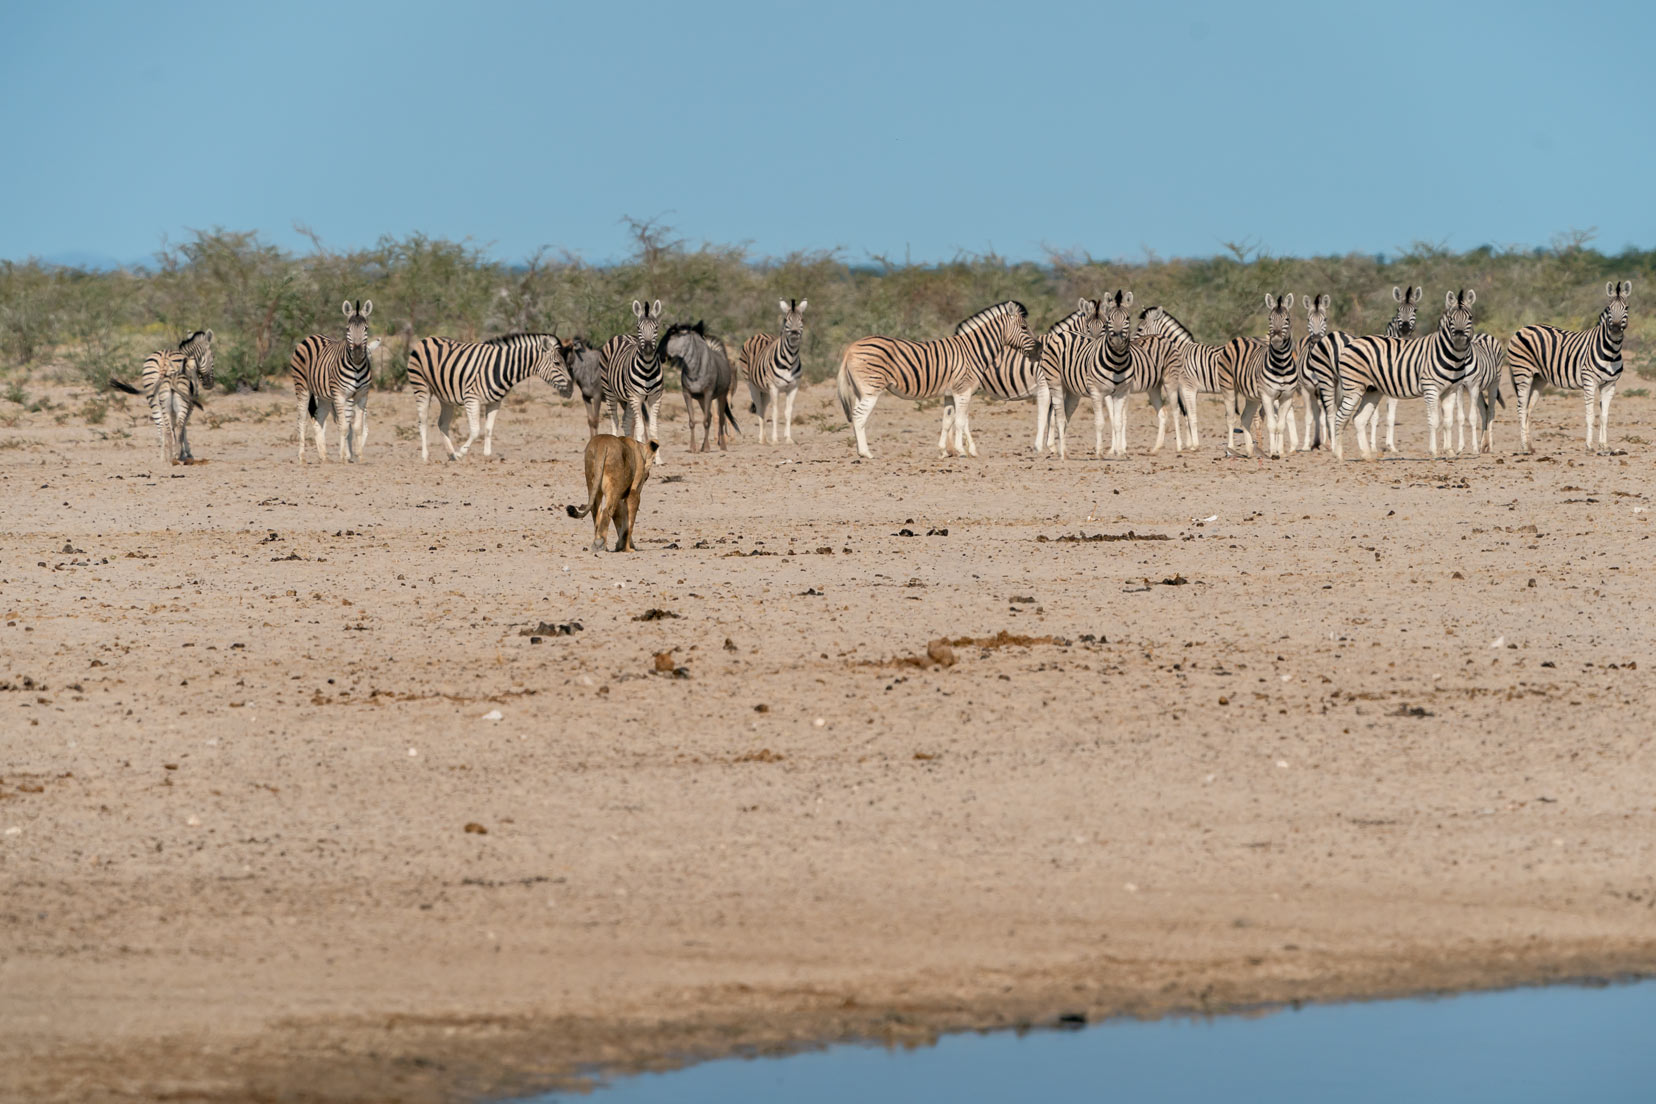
<point>586,369</point>
<point>705,376</point>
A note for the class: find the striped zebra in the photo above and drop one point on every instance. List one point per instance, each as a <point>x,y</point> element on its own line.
<point>1268,377</point>
<point>1085,321</point>
<point>1108,369</point>
<point>632,375</point>
<point>1588,360</point>
<point>1473,402</point>
<point>951,366</point>
<point>197,350</point>
<point>475,376</point>
<point>771,364</point>
<point>331,376</point>
<point>1202,370</point>
<point>1316,324</point>
<point>1016,375</point>
<point>1406,367</point>
<point>1410,303</point>
<point>1322,360</point>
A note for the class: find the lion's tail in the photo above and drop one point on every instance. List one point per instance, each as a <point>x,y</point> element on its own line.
<point>592,505</point>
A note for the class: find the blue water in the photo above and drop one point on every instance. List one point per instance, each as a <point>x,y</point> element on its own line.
<point>1555,1044</point>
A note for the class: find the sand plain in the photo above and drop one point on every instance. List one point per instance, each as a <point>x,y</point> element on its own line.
<point>1348,730</point>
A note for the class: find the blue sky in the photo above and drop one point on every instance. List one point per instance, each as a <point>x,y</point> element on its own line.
<point>917,130</point>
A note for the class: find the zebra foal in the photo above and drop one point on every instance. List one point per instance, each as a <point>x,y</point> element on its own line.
<point>771,364</point>
<point>475,376</point>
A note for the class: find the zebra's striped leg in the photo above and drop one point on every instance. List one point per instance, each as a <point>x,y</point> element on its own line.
<point>1521,389</point>
<point>184,454</point>
<point>304,416</point>
<point>614,405</point>
<point>774,405</point>
<point>1391,424</point>
<point>948,424</point>
<point>653,430</point>
<point>445,418</point>
<point>1043,414</point>
<point>1158,403</point>
<point>859,422</point>
<point>155,416</point>
<point>1230,401</point>
<point>488,429</point>
<point>318,429</point>
<point>361,415</point>
<point>1286,423</point>
<point>472,412</point>
<point>1606,393</point>
<point>1332,422</point>
<point>1098,425</point>
<point>787,419</point>
<point>1589,395</point>
<point>1190,413</point>
<point>1071,401</point>
<point>421,403</point>
<point>1434,417</point>
<point>962,427</point>
<point>1250,410</point>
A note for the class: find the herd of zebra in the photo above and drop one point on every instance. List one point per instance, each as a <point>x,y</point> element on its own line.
<point>1102,350</point>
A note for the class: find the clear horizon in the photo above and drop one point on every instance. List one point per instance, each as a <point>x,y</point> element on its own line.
<point>921,132</point>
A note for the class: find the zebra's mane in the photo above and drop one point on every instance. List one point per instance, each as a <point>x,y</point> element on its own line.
<point>991,314</point>
<point>505,339</point>
<point>183,346</point>
<point>1167,322</point>
<point>1067,324</point>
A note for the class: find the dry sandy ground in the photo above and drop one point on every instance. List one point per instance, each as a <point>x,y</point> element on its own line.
<point>1391,734</point>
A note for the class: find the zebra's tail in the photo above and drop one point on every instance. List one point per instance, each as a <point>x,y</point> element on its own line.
<point>120,385</point>
<point>849,393</point>
<point>1499,398</point>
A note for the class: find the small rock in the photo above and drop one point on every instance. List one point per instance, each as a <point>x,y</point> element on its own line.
<point>493,715</point>
<point>476,829</point>
<point>939,652</point>
<point>664,662</point>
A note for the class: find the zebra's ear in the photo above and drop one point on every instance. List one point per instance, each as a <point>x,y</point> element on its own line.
<point>1417,295</point>
<point>638,309</point>
<point>655,311</point>
<point>348,309</point>
<point>1626,288</point>
<point>1610,288</point>
<point>1310,303</point>
<point>1270,301</point>
<point>1126,298</point>
<point>783,303</point>
<point>209,337</point>
<point>801,307</point>
<point>1324,301</point>
<point>1468,297</point>
<point>1397,293</point>
<point>1084,305</point>
<point>1449,300</point>
<point>367,307</point>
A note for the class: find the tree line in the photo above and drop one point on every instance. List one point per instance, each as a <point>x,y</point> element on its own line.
<point>260,299</point>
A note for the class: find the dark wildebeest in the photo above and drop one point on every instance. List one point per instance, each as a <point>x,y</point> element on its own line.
<point>585,370</point>
<point>705,376</point>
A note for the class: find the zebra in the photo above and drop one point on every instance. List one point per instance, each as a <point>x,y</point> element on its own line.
<point>1410,302</point>
<point>476,375</point>
<point>1408,366</point>
<point>1322,358</point>
<point>196,350</point>
<point>1587,359</point>
<point>585,368</point>
<point>632,375</point>
<point>1202,370</point>
<point>332,376</point>
<point>1108,369</point>
<point>1473,402</point>
<point>1269,377</point>
<point>705,377</point>
<point>950,366</point>
<point>1015,375</point>
<point>1316,324</point>
<point>771,364</point>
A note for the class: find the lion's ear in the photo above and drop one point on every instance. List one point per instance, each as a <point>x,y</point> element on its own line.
<point>654,446</point>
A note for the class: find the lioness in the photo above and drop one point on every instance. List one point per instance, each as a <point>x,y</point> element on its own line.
<point>616,468</point>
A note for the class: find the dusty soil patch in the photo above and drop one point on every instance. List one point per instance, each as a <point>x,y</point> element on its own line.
<point>1329,767</point>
